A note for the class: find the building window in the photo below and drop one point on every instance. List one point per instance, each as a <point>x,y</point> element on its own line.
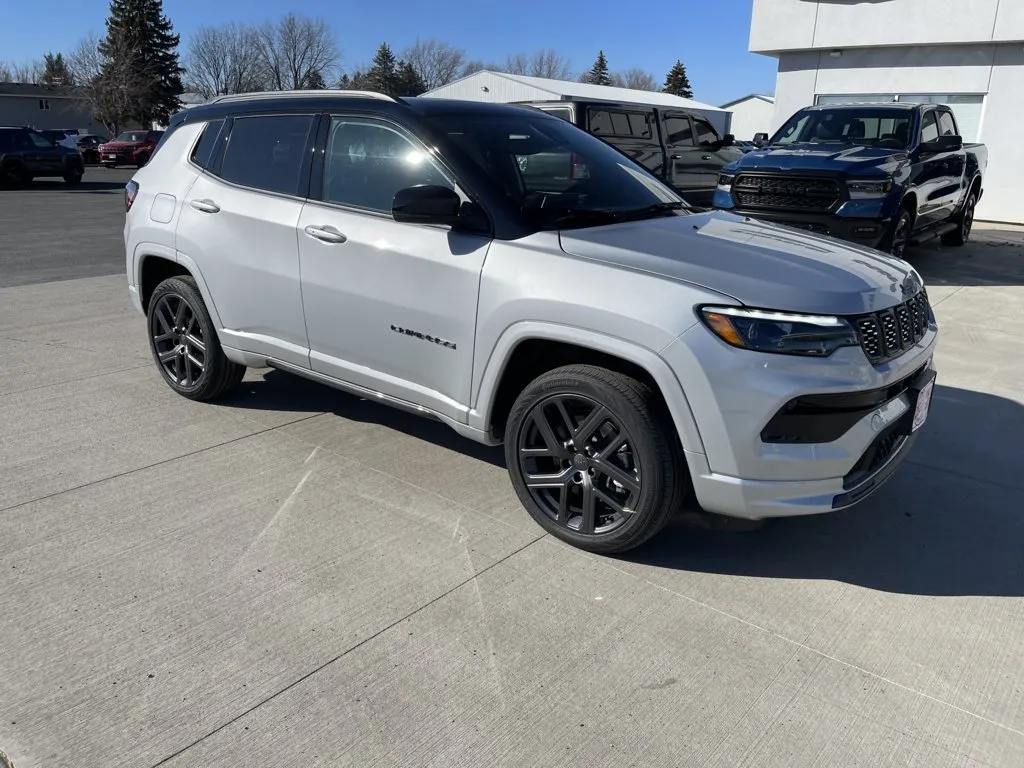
<point>966,107</point>
<point>44,104</point>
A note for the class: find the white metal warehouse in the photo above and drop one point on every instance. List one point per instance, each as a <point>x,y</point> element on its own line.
<point>503,88</point>
<point>968,54</point>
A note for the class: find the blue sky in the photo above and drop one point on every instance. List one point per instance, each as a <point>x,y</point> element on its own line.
<point>710,37</point>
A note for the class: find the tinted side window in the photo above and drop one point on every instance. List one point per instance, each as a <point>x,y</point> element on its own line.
<point>609,122</point>
<point>678,131</point>
<point>207,144</point>
<point>929,128</point>
<point>267,152</point>
<point>947,126</point>
<point>706,133</point>
<point>367,162</point>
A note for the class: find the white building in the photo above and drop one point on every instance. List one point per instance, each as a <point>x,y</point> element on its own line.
<point>751,114</point>
<point>968,54</point>
<point>504,88</point>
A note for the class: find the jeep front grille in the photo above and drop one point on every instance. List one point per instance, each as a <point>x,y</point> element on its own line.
<point>887,334</point>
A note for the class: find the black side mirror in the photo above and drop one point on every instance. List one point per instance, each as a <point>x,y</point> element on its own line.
<point>943,144</point>
<point>760,139</point>
<point>427,204</point>
<point>728,140</point>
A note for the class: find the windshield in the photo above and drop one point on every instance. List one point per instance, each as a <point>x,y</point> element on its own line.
<point>132,136</point>
<point>558,175</point>
<point>868,126</point>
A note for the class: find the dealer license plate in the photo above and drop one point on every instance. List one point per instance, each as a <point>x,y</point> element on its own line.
<point>924,401</point>
<point>111,157</point>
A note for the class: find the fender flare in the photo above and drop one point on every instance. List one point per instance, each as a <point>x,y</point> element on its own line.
<point>659,370</point>
<point>145,250</point>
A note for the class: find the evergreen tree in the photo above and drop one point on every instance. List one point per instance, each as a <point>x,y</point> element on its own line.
<point>408,81</point>
<point>383,73</point>
<point>140,53</point>
<point>598,74</point>
<point>677,83</point>
<point>315,81</point>
<point>354,82</point>
<point>56,71</point>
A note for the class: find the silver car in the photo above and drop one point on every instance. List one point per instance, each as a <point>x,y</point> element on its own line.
<point>504,272</point>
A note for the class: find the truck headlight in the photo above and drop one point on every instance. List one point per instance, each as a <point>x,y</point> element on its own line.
<point>860,190</point>
<point>725,181</point>
<point>779,332</point>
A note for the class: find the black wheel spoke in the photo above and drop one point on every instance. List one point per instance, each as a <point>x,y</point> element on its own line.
<point>179,316</point>
<point>169,356</point>
<point>588,510</point>
<point>623,478</point>
<point>547,433</point>
<point>195,343</point>
<point>558,480</point>
<point>593,422</point>
<point>617,506</point>
<point>562,516</point>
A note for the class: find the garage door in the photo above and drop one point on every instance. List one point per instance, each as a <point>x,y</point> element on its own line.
<point>966,107</point>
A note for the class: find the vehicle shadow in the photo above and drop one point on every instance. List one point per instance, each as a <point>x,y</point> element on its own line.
<point>951,521</point>
<point>279,391</point>
<point>992,256</point>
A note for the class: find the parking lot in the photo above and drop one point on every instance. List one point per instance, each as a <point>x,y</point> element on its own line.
<point>297,577</point>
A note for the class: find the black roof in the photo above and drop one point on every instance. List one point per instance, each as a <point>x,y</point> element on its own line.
<point>327,100</point>
<point>903,106</point>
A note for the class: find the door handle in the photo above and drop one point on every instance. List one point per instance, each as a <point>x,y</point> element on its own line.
<point>206,206</point>
<point>705,157</point>
<point>675,157</point>
<point>325,234</point>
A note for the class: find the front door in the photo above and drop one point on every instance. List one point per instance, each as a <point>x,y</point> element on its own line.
<point>685,159</point>
<point>44,157</point>
<point>389,306</point>
<point>715,156</point>
<point>932,175</point>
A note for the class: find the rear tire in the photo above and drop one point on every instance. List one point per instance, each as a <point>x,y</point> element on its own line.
<point>13,175</point>
<point>184,342</point>
<point>594,458</point>
<point>964,223</point>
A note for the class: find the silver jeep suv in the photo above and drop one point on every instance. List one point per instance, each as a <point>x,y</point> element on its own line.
<point>498,269</point>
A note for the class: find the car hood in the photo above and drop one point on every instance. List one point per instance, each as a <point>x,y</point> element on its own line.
<point>757,263</point>
<point>851,159</point>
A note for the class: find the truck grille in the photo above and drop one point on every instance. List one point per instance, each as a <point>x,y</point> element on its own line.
<point>888,334</point>
<point>785,192</point>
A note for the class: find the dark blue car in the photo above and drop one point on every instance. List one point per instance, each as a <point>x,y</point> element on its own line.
<point>883,175</point>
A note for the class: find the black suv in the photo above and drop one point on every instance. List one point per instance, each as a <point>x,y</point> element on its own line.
<point>26,154</point>
<point>679,146</point>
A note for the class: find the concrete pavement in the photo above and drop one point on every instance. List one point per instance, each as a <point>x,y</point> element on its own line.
<point>297,577</point>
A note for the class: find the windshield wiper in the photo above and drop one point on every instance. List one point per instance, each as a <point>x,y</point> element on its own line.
<point>595,218</point>
<point>650,211</point>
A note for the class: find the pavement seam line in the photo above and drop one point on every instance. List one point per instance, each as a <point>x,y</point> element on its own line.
<point>347,651</point>
<point>72,381</point>
<point>815,651</point>
<point>154,464</point>
<point>948,296</point>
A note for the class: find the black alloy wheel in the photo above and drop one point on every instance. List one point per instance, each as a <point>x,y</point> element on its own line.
<point>964,222</point>
<point>594,457</point>
<point>185,344</point>
<point>900,233</point>
<point>579,464</point>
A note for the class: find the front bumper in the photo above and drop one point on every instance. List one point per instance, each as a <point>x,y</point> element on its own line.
<point>867,231</point>
<point>736,396</point>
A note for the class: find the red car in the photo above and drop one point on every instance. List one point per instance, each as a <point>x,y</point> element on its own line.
<point>129,148</point>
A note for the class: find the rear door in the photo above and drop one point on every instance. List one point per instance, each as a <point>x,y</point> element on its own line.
<point>631,131</point>
<point>238,225</point>
<point>685,159</point>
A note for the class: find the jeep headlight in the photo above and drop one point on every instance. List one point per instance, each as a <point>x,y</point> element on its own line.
<point>725,181</point>
<point>866,189</point>
<point>779,332</point>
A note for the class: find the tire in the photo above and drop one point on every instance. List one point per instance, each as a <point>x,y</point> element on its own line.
<point>631,440</point>
<point>109,165</point>
<point>12,175</point>
<point>896,240</point>
<point>74,176</point>
<point>964,223</point>
<point>184,342</point>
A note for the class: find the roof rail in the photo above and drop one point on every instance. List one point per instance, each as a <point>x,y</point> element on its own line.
<point>297,94</point>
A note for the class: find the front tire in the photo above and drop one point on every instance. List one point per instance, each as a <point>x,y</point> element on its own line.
<point>964,223</point>
<point>899,233</point>
<point>141,160</point>
<point>74,176</point>
<point>184,342</point>
<point>594,458</point>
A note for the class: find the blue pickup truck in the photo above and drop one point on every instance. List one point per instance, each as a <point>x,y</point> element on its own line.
<point>882,175</point>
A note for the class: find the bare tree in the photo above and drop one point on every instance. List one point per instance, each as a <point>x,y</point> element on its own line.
<point>436,62</point>
<point>22,72</point>
<point>544,63</point>
<point>476,65</point>
<point>110,86</point>
<point>295,47</point>
<point>85,62</point>
<point>226,59</point>
<point>635,78</point>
